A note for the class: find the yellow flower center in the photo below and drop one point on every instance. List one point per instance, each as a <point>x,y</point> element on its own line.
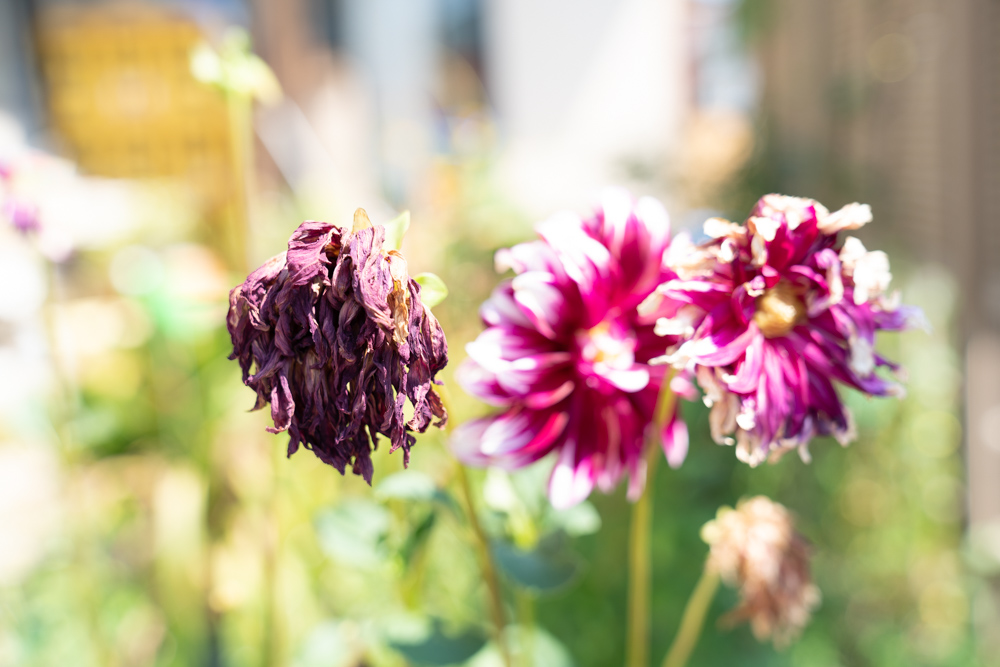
<point>601,345</point>
<point>779,309</point>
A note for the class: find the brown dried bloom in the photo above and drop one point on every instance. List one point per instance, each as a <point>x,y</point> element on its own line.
<point>756,549</point>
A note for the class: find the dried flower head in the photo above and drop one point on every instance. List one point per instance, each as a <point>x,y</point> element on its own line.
<point>782,308</point>
<point>333,334</point>
<point>756,549</point>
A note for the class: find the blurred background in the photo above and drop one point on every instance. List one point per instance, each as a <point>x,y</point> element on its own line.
<point>152,152</point>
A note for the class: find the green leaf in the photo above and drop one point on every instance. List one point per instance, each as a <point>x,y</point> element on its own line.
<point>432,289</point>
<point>395,230</point>
<point>329,643</point>
<point>581,519</point>
<point>418,538</point>
<point>407,485</point>
<point>414,485</point>
<point>548,567</point>
<point>439,648</point>
<point>354,532</point>
<point>528,646</point>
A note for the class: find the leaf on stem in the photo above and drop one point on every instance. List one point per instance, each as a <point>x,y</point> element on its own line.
<point>432,289</point>
<point>550,566</point>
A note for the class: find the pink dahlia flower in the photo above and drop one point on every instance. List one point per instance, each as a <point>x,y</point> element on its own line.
<point>782,308</point>
<point>565,353</point>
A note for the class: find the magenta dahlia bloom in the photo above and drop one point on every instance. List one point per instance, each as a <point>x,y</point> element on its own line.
<point>784,307</point>
<point>565,353</point>
<point>333,334</point>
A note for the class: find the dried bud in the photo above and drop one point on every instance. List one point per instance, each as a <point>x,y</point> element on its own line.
<point>756,549</point>
<point>334,336</point>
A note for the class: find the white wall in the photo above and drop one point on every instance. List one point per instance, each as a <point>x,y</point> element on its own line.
<point>581,88</point>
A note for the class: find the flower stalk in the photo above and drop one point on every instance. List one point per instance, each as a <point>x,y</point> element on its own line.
<point>693,619</point>
<point>482,544</point>
<point>640,577</point>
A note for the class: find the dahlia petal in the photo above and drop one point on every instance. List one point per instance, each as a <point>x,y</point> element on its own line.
<point>465,442</point>
<point>585,261</point>
<point>523,257</point>
<point>516,437</point>
<point>509,344</point>
<point>675,441</point>
<point>749,368</point>
<point>723,346</point>
<point>282,405</point>
<point>502,309</point>
<point>571,481</point>
<point>629,380</point>
<point>540,300</point>
<point>852,216</point>
<point>483,384</point>
<point>306,259</point>
<point>901,319</point>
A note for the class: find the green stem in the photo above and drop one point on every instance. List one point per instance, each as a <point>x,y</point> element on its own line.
<point>486,563</point>
<point>637,654</point>
<point>693,619</point>
<point>640,577</point>
<point>482,544</point>
<point>526,622</point>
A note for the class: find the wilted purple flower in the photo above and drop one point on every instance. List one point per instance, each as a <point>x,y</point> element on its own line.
<point>565,352</point>
<point>332,333</point>
<point>756,548</point>
<point>783,308</point>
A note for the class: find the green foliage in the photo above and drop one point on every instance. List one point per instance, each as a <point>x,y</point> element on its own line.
<point>549,567</point>
<point>432,289</point>
<point>354,532</point>
<point>441,648</point>
<point>395,230</point>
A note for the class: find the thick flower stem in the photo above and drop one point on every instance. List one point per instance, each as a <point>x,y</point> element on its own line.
<point>482,543</point>
<point>640,579</point>
<point>693,620</point>
<point>639,583</point>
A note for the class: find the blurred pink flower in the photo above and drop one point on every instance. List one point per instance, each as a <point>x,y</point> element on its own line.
<point>565,352</point>
<point>20,212</point>
<point>783,307</point>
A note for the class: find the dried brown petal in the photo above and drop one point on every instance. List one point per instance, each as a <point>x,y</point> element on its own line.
<point>756,549</point>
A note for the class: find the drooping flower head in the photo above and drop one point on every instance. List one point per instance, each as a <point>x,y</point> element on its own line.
<point>565,352</point>
<point>756,549</point>
<point>784,306</point>
<point>333,334</point>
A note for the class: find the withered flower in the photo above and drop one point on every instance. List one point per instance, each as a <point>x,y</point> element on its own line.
<point>333,334</point>
<point>783,310</point>
<point>756,549</point>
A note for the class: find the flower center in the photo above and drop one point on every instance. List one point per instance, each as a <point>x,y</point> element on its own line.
<point>779,309</point>
<point>608,345</point>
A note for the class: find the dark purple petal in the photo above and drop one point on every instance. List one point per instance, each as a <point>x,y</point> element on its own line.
<point>333,335</point>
